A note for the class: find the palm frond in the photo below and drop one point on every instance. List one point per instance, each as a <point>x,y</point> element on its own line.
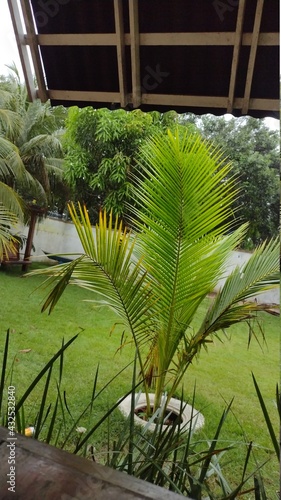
<point>54,166</point>
<point>183,214</point>
<point>8,220</point>
<point>10,124</point>
<point>235,301</point>
<point>11,165</point>
<point>12,202</point>
<point>107,269</point>
<point>43,144</point>
<point>5,99</point>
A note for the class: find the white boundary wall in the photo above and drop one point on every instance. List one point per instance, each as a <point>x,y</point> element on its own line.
<point>56,236</point>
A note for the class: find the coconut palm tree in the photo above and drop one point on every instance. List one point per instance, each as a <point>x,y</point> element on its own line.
<point>30,150</point>
<point>30,145</point>
<point>157,277</point>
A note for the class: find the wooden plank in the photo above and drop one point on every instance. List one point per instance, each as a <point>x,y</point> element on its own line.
<point>34,49</point>
<point>6,263</point>
<point>252,57</point>
<point>167,39</point>
<point>135,52</point>
<point>184,100</point>
<point>85,39</point>
<point>264,40</point>
<point>202,39</point>
<point>79,95</point>
<point>258,104</point>
<point>118,14</point>
<point>22,48</point>
<point>236,53</point>
<point>165,99</point>
<point>43,471</point>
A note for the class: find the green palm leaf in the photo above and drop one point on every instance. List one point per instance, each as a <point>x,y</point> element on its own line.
<point>234,302</point>
<point>10,123</point>
<point>11,200</point>
<point>11,164</point>
<point>8,220</point>
<point>107,269</point>
<point>182,223</point>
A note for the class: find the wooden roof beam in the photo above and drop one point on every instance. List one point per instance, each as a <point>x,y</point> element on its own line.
<point>135,52</point>
<point>120,45</point>
<point>84,95</point>
<point>165,99</point>
<point>252,57</point>
<point>36,57</point>
<point>155,39</point>
<point>208,101</point>
<point>236,53</point>
<point>22,48</point>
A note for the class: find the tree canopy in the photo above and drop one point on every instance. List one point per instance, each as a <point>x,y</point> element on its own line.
<point>253,150</point>
<point>102,149</point>
<point>101,153</point>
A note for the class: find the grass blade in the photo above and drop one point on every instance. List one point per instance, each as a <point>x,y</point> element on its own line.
<point>42,405</point>
<point>42,372</point>
<point>267,419</point>
<point>4,366</point>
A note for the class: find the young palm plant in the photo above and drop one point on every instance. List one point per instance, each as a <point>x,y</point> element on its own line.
<point>156,276</point>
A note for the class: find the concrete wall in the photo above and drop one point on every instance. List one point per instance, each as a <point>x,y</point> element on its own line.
<point>56,236</point>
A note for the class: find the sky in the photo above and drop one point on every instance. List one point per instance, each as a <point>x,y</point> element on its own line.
<point>9,51</point>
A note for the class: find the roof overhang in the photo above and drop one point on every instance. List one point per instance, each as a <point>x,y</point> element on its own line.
<point>189,55</point>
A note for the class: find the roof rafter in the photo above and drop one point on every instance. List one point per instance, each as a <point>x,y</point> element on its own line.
<point>118,14</point>
<point>22,48</point>
<point>252,57</point>
<point>135,52</point>
<point>154,39</point>
<point>31,33</point>
<point>164,99</point>
<point>207,101</point>
<point>236,52</point>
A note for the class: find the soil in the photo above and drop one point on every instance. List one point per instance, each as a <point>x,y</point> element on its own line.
<point>170,417</point>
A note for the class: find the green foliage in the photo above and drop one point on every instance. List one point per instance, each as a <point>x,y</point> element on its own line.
<point>267,419</point>
<point>253,150</point>
<point>102,148</point>
<point>8,221</point>
<point>30,145</point>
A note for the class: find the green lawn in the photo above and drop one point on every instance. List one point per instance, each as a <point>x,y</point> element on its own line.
<point>220,375</point>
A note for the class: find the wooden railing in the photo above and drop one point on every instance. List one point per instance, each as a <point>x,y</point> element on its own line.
<point>36,471</point>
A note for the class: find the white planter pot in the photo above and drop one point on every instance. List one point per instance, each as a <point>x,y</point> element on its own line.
<point>174,406</point>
